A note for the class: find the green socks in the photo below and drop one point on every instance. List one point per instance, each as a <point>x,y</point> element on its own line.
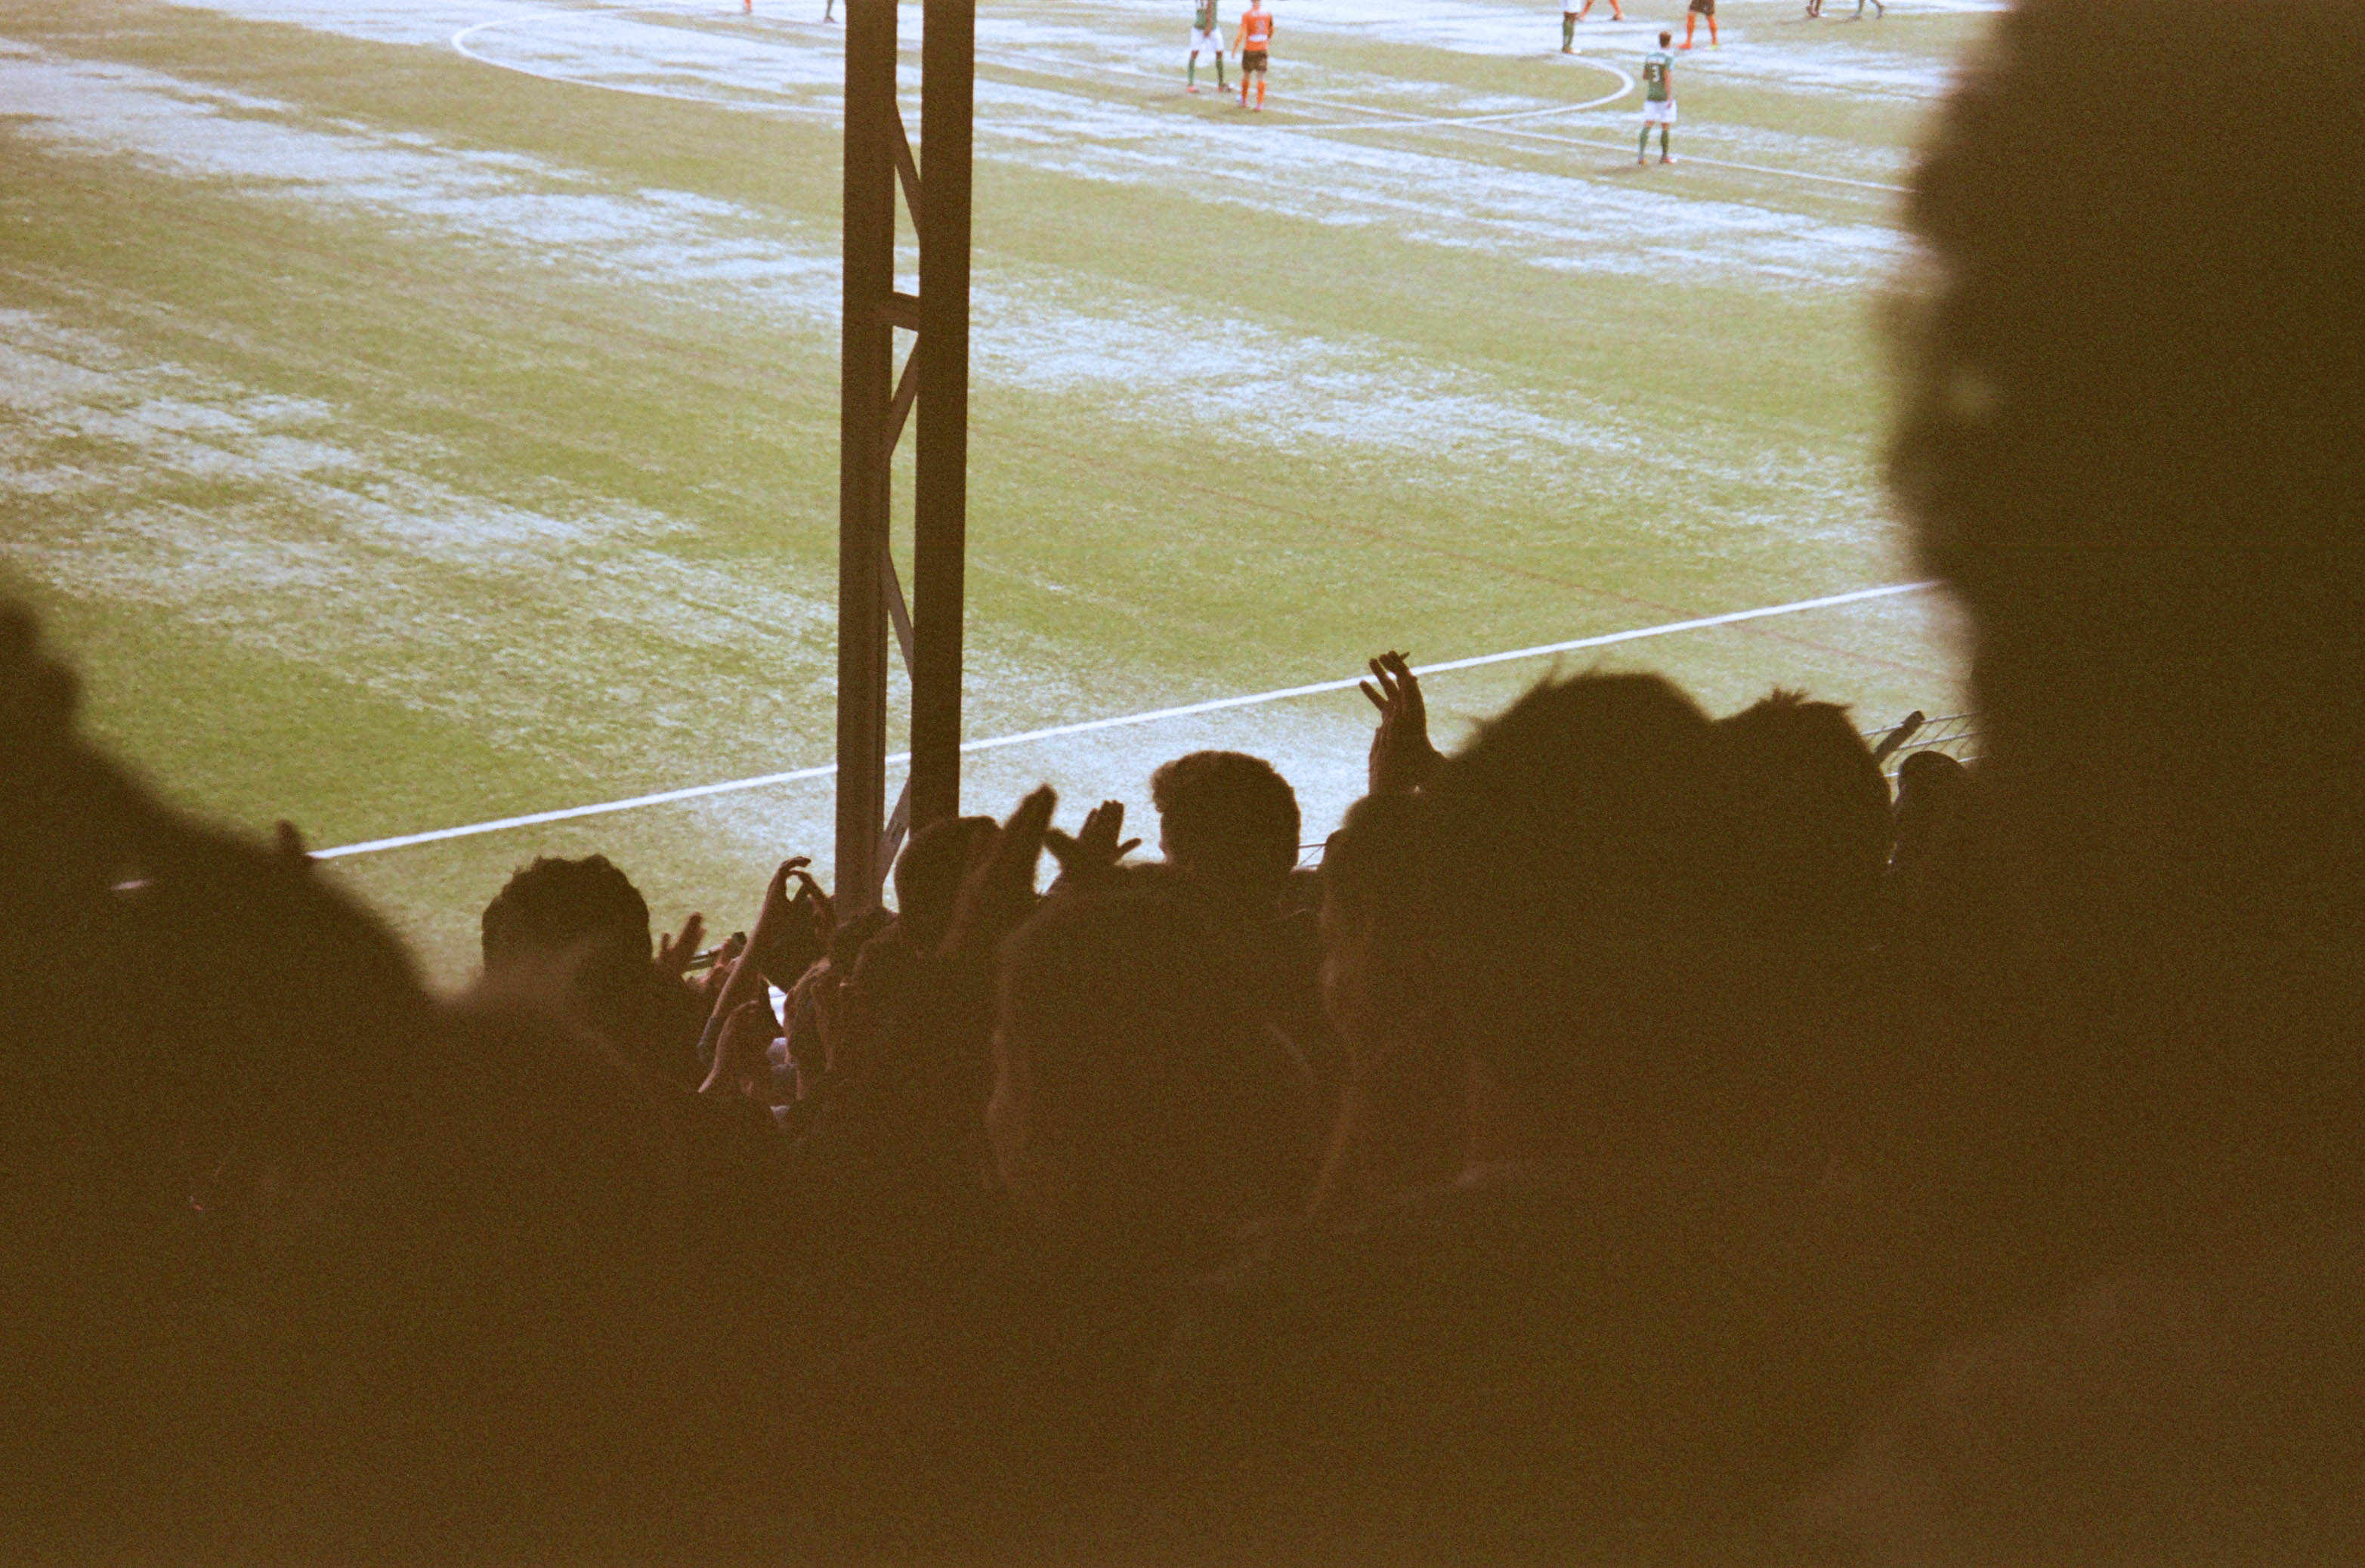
<point>1643,148</point>
<point>1567,29</point>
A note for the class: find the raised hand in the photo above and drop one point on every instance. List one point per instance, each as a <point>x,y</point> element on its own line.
<point>998,889</point>
<point>1094,851</point>
<point>792,931</point>
<point>824,989</point>
<point>743,1064</point>
<point>674,953</point>
<point>726,958</point>
<point>782,932</point>
<point>1402,757</point>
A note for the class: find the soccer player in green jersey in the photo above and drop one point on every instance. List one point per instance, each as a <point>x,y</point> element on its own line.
<point>1572,13</point>
<point>1206,34</point>
<point>1658,100</point>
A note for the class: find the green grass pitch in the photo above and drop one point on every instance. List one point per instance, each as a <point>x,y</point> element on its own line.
<point>402,433</point>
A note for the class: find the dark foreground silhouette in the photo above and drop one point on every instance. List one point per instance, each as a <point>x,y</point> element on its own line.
<point>1641,1141</point>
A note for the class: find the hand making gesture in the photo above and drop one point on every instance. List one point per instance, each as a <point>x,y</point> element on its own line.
<point>791,933</point>
<point>1402,757</point>
<point>675,953</point>
<point>1094,853</point>
<point>743,1064</point>
<point>998,889</point>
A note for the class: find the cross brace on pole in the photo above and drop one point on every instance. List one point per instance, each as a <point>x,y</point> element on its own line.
<point>875,403</point>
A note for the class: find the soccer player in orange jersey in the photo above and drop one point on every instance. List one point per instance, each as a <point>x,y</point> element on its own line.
<point>1691,20</point>
<point>1255,37</point>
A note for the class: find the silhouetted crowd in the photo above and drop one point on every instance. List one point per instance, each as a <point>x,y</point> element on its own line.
<point>1646,1137</point>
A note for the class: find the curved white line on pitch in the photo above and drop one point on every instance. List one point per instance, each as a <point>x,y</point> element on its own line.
<point>1124,721</point>
<point>1625,85</point>
<point>1712,162</point>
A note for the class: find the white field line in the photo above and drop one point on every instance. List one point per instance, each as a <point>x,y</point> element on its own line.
<point>1123,721</point>
<point>1712,163</point>
<point>1383,119</point>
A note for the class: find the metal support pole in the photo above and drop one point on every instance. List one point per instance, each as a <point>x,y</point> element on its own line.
<point>947,113</point>
<point>867,367</point>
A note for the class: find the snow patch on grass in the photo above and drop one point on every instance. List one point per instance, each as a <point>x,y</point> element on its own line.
<point>239,512</point>
<point>1035,329</point>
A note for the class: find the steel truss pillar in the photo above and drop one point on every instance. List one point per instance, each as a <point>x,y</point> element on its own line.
<point>875,400</point>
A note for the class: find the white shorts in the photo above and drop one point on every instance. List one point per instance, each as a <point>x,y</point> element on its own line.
<point>1207,43</point>
<point>1660,112</point>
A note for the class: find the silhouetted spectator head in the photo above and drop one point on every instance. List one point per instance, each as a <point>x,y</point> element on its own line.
<point>231,1012</point>
<point>1370,918</point>
<point>1133,1093</point>
<point>1403,1121</point>
<point>582,926</point>
<point>1929,786</point>
<point>1813,812</point>
<point>469,1300</point>
<point>556,907</point>
<point>2143,476</point>
<point>928,876</point>
<point>1229,822</point>
<point>2134,376</point>
<point>1571,848</point>
<point>845,944</point>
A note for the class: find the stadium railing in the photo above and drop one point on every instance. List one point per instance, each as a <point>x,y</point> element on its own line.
<point>1956,735</point>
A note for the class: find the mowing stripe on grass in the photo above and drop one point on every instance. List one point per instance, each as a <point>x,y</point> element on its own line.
<point>1380,118</point>
<point>1089,726</point>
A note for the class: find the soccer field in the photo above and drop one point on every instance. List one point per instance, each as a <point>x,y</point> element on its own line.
<point>418,413</point>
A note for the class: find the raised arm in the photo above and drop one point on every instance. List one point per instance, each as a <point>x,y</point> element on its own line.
<point>1402,757</point>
